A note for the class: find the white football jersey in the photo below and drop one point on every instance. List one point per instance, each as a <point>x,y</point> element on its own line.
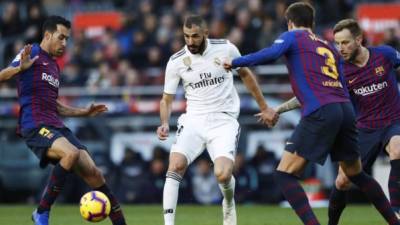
<point>208,86</point>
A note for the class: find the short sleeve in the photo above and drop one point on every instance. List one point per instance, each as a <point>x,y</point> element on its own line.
<point>233,51</point>
<point>171,78</point>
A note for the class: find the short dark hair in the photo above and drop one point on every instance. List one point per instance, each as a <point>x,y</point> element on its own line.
<point>350,24</point>
<point>50,24</point>
<point>194,20</point>
<point>301,14</point>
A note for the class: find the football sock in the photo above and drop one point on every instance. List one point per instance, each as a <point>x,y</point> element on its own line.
<point>337,203</point>
<point>394,183</point>
<point>228,190</point>
<point>170,196</point>
<point>296,197</point>
<point>116,215</point>
<point>375,194</point>
<point>53,188</point>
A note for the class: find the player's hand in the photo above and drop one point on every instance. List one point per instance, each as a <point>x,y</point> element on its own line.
<point>26,61</point>
<point>96,109</point>
<point>227,64</point>
<point>268,116</point>
<point>163,132</point>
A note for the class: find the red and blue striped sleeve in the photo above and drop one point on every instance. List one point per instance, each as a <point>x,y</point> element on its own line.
<point>266,55</point>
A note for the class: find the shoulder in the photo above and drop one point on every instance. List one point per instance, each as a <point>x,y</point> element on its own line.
<point>178,54</point>
<point>219,41</point>
<point>383,49</point>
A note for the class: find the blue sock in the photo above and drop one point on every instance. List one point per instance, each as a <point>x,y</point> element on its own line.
<point>394,184</point>
<point>337,203</point>
<point>296,197</point>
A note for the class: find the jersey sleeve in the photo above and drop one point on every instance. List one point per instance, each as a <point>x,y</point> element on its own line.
<point>171,78</point>
<point>266,55</point>
<point>233,53</point>
<point>392,54</point>
<point>17,58</point>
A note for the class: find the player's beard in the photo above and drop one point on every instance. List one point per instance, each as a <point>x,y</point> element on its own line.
<point>354,55</point>
<point>199,49</point>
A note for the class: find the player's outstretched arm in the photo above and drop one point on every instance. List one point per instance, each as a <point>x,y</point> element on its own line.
<point>24,63</point>
<point>92,110</point>
<point>289,105</point>
<point>267,115</point>
<point>165,113</point>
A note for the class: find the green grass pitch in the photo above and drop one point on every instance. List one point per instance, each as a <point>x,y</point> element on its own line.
<point>190,215</point>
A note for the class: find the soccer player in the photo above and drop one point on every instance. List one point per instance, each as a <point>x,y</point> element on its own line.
<point>211,115</point>
<point>45,134</point>
<point>370,75</point>
<point>327,126</point>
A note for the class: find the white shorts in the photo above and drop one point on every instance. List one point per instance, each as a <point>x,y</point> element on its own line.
<point>216,132</point>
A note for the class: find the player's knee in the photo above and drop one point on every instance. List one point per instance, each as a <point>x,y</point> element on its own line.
<point>223,178</point>
<point>394,148</point>
<point>72,156</point>
<point>177,167</point>
<point>342,184</point>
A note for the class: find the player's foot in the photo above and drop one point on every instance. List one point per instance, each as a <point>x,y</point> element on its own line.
<point>397,212</point>
<point>40,218</point>
<point>229,212</point>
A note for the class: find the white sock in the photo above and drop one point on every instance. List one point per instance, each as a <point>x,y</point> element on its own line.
<point>228,190</point>
<point>170,197</point>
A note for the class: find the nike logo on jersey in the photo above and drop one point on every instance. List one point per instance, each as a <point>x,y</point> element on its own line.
<point>351,81</point>
<point>45,63</point>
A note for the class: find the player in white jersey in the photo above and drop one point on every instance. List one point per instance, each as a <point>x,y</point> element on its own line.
<point>210,121</point>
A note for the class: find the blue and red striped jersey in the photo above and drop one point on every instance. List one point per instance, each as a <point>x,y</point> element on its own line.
<point>38,91</point>
<point>313,66</point>
<point>373,88</point>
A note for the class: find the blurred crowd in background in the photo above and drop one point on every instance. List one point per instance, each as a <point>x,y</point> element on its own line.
<point>136,55</point>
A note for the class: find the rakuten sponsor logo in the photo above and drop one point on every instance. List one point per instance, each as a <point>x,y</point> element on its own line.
<point>367,90</point>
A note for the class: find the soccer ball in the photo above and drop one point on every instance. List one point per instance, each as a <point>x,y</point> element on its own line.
<point>95,206</point>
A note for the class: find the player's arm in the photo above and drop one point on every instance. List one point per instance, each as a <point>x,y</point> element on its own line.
<point>92,110</point>
<point>289,105</point>
<point>267,115</point>
<point>264,56</point>
<point>165,114</point>
<point>170,85</point>
<point>22,64</point>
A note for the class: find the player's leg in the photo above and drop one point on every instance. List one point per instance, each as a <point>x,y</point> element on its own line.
<point>88,171</point>
<point>338,198</point>
<point>176,169</point>
<point>223,168</point>
<point>65,155</point>
<point>188,146</point>
<point>223,132</point>
<point>393,149</point>
<point>370,188</point>
<point>290,166</point>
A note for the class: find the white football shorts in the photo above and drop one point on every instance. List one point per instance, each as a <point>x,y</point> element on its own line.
<point>216,132</point>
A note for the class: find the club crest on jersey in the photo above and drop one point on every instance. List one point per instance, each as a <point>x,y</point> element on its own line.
<point>217,61</point>
<point>379,70</point>
<point>187,62</point>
